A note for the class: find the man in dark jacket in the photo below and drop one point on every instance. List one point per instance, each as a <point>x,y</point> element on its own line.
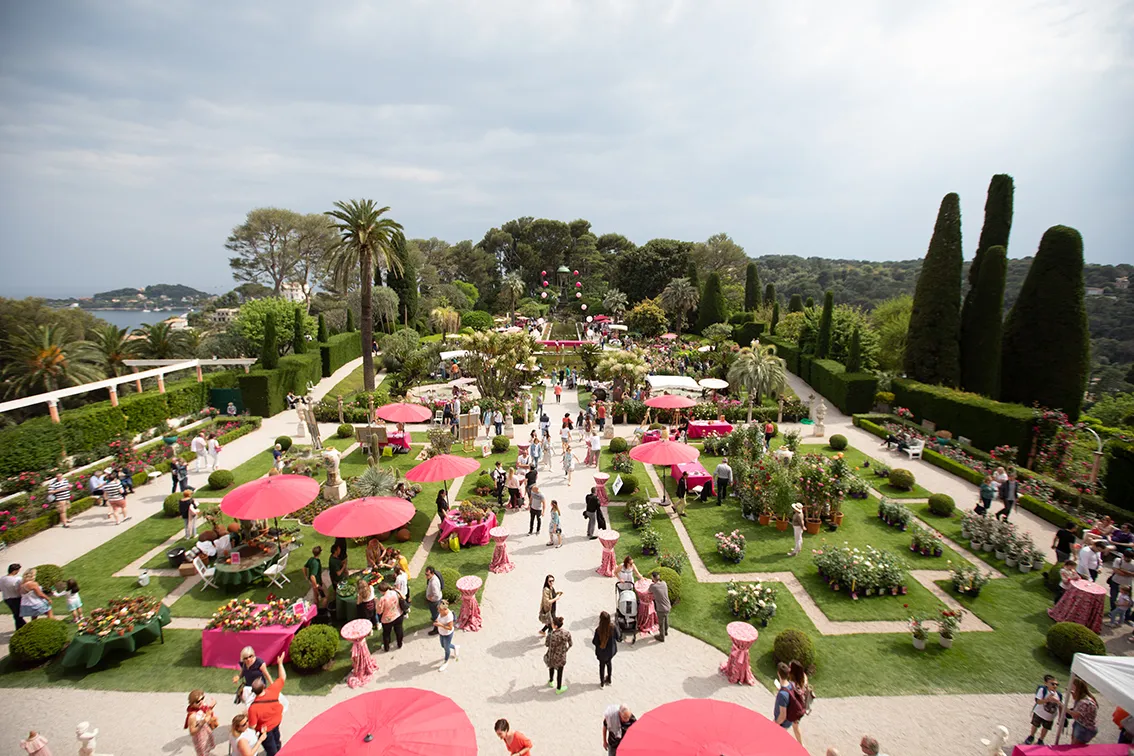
<point>593,513</point>
<point>662,606</point>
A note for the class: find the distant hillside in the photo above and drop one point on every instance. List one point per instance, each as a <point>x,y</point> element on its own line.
<point>174,292</point>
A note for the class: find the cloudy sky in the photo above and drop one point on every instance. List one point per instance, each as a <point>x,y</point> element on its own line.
<point>135,134</point>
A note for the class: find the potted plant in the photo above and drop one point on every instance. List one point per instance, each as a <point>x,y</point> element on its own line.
<point>920,631</point>
<point>731,546</point>
<point>836,513</point>
<point>781,494</point>
<point>948,624</point>
<point>857,488</point>
<point>651,540</point>
<point>1029,557</point>
<point>968,580</point>
<point>765,517</point>
<point>792,440</point>
<point>1012,555</point>
<point>752,601</point>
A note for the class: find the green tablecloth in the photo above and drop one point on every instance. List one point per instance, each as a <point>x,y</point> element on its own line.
<point>88,650</point>
<point>345,609</point>
<point>253,562</point>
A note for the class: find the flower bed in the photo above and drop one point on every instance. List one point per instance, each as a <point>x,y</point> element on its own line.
<point>926,542</point>
<point>752,600</point>
<point>865,572</point>
<point>968,580</point>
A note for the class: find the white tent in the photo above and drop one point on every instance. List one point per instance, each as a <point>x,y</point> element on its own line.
<point>1111,676</point>
<point>446,356</point>
<point>671,382</point>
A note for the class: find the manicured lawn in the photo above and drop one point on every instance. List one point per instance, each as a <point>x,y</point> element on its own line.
<point>951,527</point>
<point>858,460</point>
<point>352,384</point>
<point>605,461</point>
<point>259,465</point>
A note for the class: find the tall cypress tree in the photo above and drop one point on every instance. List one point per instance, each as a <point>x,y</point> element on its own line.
<point>809,303</point>
<point>775,317</point>
<point>1047,347</point>
<point>298,337</point>
<point>712,306</point>
<point>994,233</point>
<point>932,345</point>
<point>795,304</point>
<point>349,320</point>
<point>854,356</point>
<point>987,308</point>
<point>691,274</point>
<point>823,348</point>
<point>324,335</point>
<point>751,287</point>
<point>270,351</point>
<point>770,293</point>
<point>405,285</point>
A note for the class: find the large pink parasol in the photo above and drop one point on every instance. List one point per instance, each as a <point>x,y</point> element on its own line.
<point>273,496</point>
<point>365,517</point>
<point>401,412</point>
<point>669,401</point>
<point>669,336</point>
<point>390,722</point>
<point>705,727</point>
<point>442,467</point>
<point>664,452</point>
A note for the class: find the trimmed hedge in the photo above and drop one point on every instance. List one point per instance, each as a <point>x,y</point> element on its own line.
<point>942,505</point>
<point>850,392</point>
<point>449,592</point>
<point>618,445</point>
<point>745,333</point>
<point>345,430</point>
<point>902,478</point>
<point>265,391</point>
<point>314,646</point>
<point>672,579</point>
<point>500,444</point>
<point>788,351</point>
<point>1120,473</point>
<point>1065,639</point>
<point>171,506</point>
<point>338,351</point>
<point>838,442</point>
<point>794,645</point>
<point>219,479</point>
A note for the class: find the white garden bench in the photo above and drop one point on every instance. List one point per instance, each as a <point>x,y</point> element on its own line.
<point>915,449</point>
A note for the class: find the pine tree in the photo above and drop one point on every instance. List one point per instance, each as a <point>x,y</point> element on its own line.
<point>987,308</point>
<point>298,337</point>
<point>349,320</point>
<point>932,344</point>
<point>324,336</point>
<point>712,307</point>
<point>405,285</point>
<point>270,352</point>
<point>775,317</point>
<point>854,356</point>
<point>795,304</point>
<point>1047,348</point>
<point>823,347</point>
<point>809,303</point>
<point>751,288</point>
<point>994,233</point>
<point>691,274</point>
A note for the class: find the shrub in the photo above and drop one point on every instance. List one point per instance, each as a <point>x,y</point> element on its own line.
<point>346,430</point>
<point>484,485</point>
<point>37,641</point>
<point>629,484</point>
<point>640,510</point>
<point>1052,578</point>
<point>941,505</point>
<point>500,444</point>
<point>903,479</point>
<point>449,577</point>
<point>618,445</point>
<point>314,646</point>
<point>1065,639</point>
<point>794,644</point>
<point>673,580</point>
<point>675,562</point>
<point>219,479</point>
<point>838,442</point>
<point>171,506</point>
<point>284,442</point>
<point>48,575</point>
<point>657,426</point>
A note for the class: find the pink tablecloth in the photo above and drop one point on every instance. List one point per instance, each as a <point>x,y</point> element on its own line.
<point>221,649</point>
<point>698,475</point>
<point>501,562</point>
<point>702,428</point>
<point>469,535</point>
<point>1102,749</point>
<point>647,617</point>
<point>363,664</point>
<point>600,484</point>
<point>1082,603</point>
<point>737,668</point>
<point>651,436</point>
<point>609,565</point>
<point>469,617</point>
<point>401,440</point>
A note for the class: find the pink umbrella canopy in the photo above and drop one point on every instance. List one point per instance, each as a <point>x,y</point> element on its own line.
<point>390,722</point>
<point>705,727</point>
<point>273,496</point>
<point>669,401</point>
<point>669,336</point>
<point>442,467</point>
<point>365,517</point>
<point>401,412</point>
<point>664,452</point>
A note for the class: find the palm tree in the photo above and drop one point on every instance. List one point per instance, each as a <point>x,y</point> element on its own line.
<point>445,320</point>
<point>758,370</point>
<point>513,286</point>
<point>44,358</point>
<point>114,346</point>
<point>679,298</point>
<point>615,303</point>
<point>160,342</point>
<point>366,240</point>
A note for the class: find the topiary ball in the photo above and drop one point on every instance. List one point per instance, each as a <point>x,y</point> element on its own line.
<point>656,426</point>
<point>941,505</point>
<point>346,430</point>
<point>1052,578</point>
<point>500,444</point>
<point>838,442</point>
<point>449,577</point>
<point>794,644</point>
<point>402,535</point>
<point>629,484</point>
<point>314,646</point>
<point>171,506</point>
<point>219,479</point>
<point>903,479</point>
<point>284,442</point>
<point>1065,639</point>
<point>37,641</point>
<point>48,575</point>
<point>673,580</point>
<point>618,445</point>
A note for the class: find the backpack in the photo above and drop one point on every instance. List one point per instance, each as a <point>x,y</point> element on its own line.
<point>797,705</point>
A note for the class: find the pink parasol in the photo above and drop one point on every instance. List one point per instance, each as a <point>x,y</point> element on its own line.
<point>442,467</point>
<point>390,722</point>
<point>664,452</point>
<point>401,412</point>
<point>706,727</point>
<point>365,517</point>
<point>669,336</point>
<point>273,496</point>
<point>669,401</point>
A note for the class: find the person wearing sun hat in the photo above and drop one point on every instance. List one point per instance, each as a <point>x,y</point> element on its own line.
<point>797,528</point>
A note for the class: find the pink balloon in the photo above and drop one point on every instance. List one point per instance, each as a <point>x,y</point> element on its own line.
<point>578,295</point>
<point>576,272</point>
<point>543,272</point>
<point>545,283</point>
<point>588,317</point>
<point>543,295</point>
<point>578,284</point>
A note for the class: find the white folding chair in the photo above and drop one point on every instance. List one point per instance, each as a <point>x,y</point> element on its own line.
<point>438,417</point>
<point>206,573</point>
<point>275,572</point>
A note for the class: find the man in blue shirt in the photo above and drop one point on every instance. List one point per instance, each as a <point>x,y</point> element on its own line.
<point>783,696</point>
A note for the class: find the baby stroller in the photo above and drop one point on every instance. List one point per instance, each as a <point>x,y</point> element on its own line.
<point>626,609</point>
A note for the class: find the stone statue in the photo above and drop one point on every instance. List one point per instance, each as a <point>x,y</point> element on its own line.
<point>811,406</point>
<point>86,736</point>
<point>821,412</point>
<point>331,458</point>
<point>996,744</point>
<point>301,427</point>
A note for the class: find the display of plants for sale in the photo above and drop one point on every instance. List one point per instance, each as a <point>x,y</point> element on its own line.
<point>861,572</point>
<point>752,600</point>
<point>926,542</point>
<point>967,579</point>
<point>242,614</point>
<point>894,514</point>
<point>120,616</point>
<point>731,546</point>
<point>622,463</point>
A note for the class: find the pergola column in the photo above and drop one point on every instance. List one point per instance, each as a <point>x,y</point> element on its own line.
<point>137,382</point>
<point>161,383</point>
<point>53,408</point>
<point>113,396</point>
<point>200,377</point>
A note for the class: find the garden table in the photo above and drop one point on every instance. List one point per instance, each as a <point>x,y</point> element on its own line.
<point>609,565</point>
<point>89,650</point>
<point>501,562</point>
<point>221,649</point>
<point>737,668</point>
<point>651,436</point>
<point>698,475</point>
<point>364,666</point>
<point>1082,604</point>
<point>254,559</point>
<point>647,617</point>
<point>600,484</point>
<point>469,534</point>
<point>400,439</point>
<point>469,617</point>
<point>702,428</point>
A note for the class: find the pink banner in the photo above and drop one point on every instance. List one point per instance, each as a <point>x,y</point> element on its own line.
<point>221,649</point>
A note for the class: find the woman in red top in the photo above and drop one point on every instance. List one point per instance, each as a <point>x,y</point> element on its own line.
<point>515,742</point>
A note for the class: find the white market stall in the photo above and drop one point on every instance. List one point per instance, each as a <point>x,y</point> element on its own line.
<point>1111,676</point>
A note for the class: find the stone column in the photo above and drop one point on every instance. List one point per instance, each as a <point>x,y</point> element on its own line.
<point>113,396</point>
<point>200,377</point>
<point>137,382</point>
<point>161,383</point>
<point>53,408</point>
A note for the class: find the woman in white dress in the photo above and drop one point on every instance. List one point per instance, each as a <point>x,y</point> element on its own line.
<point>242,739</point>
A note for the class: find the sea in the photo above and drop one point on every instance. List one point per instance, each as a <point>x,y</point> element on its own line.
<point>132,319</point>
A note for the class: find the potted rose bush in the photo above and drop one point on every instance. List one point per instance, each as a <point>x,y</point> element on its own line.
<point>731,546</point>
<point>948,624</point>
<point>752,601</point>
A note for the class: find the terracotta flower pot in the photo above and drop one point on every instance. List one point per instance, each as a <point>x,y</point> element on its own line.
<point>765,518</point>
<point>781,524</point>
<point>838,518</point>
<point>813,527</point>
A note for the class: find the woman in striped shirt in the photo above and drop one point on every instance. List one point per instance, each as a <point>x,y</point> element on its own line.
<point>115,497</point>
<point>59,490</point>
